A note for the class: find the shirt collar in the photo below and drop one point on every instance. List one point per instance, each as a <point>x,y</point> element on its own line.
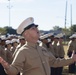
<point>34,45</point>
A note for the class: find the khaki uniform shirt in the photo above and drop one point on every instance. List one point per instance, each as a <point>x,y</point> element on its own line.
<point>3,52</point>
<point>51,49</point>
<point>13,49</point>
<point>60,50</point>
<point>17,48</point>
<point>54,44</point>
<point>34,60</point>
<point>9,56</point>
<point>72,46</point>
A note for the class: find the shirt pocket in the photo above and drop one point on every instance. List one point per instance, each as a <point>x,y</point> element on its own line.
<point>33,61</point>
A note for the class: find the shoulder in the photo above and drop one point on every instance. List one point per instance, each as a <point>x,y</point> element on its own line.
<point>23,49</point>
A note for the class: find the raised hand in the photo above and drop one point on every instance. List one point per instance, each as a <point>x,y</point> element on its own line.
<point>73,56</point>
<point>4,63</point>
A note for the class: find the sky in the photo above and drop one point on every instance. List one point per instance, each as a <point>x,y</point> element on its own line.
<point>46,13</point>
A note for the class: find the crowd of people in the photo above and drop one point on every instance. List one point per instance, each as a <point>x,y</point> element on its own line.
<point>33,54</point>
<point>9,46</point>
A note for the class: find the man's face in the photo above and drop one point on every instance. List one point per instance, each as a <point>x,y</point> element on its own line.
<point>45,41</point>
<point>3,42</point>
<point>9,46</point>
<point>61,39</point>
<point>22,41</point>
<point>33,33</point>
<point>56,39</point>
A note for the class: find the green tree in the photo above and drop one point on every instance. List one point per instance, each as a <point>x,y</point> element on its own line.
<point>57,28</point>
<point>73,28</point>
<point>3,30</point>
<point>10,30</point>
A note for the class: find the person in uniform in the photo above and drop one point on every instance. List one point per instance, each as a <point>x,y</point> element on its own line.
<point>2,53</point>
<point>59,52</point>
<point>46,42</point>
<point>71,48</point>
<point>8,49</point>
<point>14,44</point>
<point>55,53</point>
<point>51,36</point>
<point>31,58</point>
<point>22,41</point>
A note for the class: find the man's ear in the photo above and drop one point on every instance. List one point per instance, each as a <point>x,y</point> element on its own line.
<point>25,33</point>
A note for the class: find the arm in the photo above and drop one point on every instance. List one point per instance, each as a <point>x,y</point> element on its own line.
<point>57,62</point>
<point>16,65</point>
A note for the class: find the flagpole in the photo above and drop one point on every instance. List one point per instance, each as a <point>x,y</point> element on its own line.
<point>65,14</point>
<point>71,18</point>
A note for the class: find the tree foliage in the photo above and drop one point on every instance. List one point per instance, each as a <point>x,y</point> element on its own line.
<point>7,30</point>
<point>3,30</point>
<point>73,28</point>
<point>68,31</point>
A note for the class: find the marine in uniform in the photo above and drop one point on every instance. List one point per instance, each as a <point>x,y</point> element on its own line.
<point>14,44</point>
<point>31,58</point>
<point>59,52</point>
<point>55,51</point>
<point>71,48</point>
<point>44,39</point>
<point>8,49</point>
<point>47,43</point>
<point>22,41</point>
<point>2,53</point>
